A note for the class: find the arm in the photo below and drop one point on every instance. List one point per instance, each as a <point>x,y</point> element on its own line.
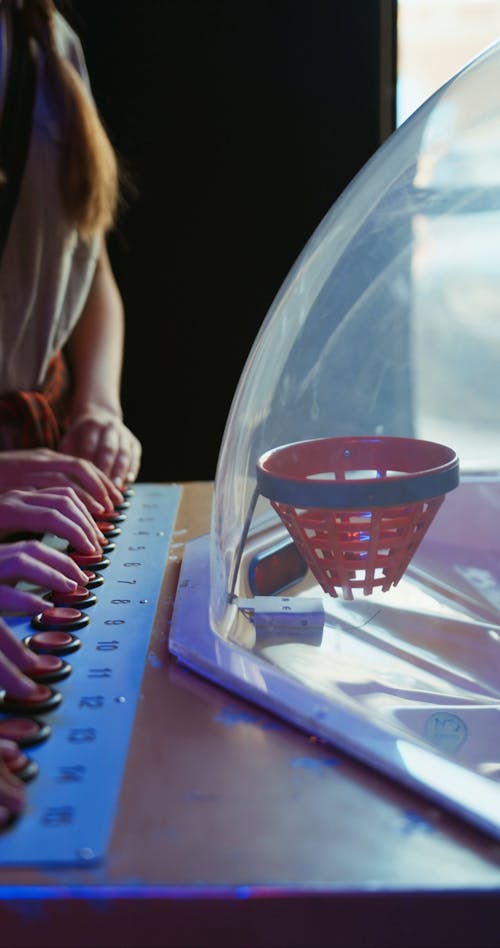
<point>95,353</point>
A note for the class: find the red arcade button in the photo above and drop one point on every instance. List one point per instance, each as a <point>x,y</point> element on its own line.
<point>60,617</point>
<point>79,596</point>
<point>109,530</point>
<point>108,547</point>
<point>114,517</point>
<point>50,668</point>
<point>52,642</point>
<point>93,580</point>
<point>122,505</point>
<point>44,699</point>
<point>22,766</point>
<point>25,731</point>
<point>96,560</point>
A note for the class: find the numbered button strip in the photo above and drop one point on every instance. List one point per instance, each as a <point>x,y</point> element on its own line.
<point>79,725</point>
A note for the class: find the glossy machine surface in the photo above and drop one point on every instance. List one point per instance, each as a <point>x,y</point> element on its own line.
<point>234,828</point>
<point>406,680</point>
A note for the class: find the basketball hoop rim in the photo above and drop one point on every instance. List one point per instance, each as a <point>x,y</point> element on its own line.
<point>434,471</point>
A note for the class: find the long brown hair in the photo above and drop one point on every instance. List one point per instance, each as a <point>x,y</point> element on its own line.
<point>89,172</point>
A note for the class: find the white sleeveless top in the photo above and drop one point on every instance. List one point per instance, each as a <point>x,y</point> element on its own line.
<point>46,269</point>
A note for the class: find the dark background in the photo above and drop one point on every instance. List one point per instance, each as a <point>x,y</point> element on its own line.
<point>240,122</point>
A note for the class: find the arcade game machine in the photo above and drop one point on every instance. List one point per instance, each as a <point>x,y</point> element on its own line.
<point>282,727</point>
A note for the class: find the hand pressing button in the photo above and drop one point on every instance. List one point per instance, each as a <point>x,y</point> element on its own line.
<point>96,560</point>
<point>81,596</point>
<point>50,668</point>
<point>43,699</point>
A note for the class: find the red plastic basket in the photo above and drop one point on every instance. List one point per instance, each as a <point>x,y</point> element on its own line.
<point>357,508</point>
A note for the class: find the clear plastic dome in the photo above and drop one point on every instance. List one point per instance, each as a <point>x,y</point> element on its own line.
<point>351,579</point>
<point>388,326</point>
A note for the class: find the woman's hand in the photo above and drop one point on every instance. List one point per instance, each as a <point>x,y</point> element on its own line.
<point>56,510</point>
<point>36,563</point>
<point>17,663</point>
<point>101,437</point>
<point>40,467</point>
